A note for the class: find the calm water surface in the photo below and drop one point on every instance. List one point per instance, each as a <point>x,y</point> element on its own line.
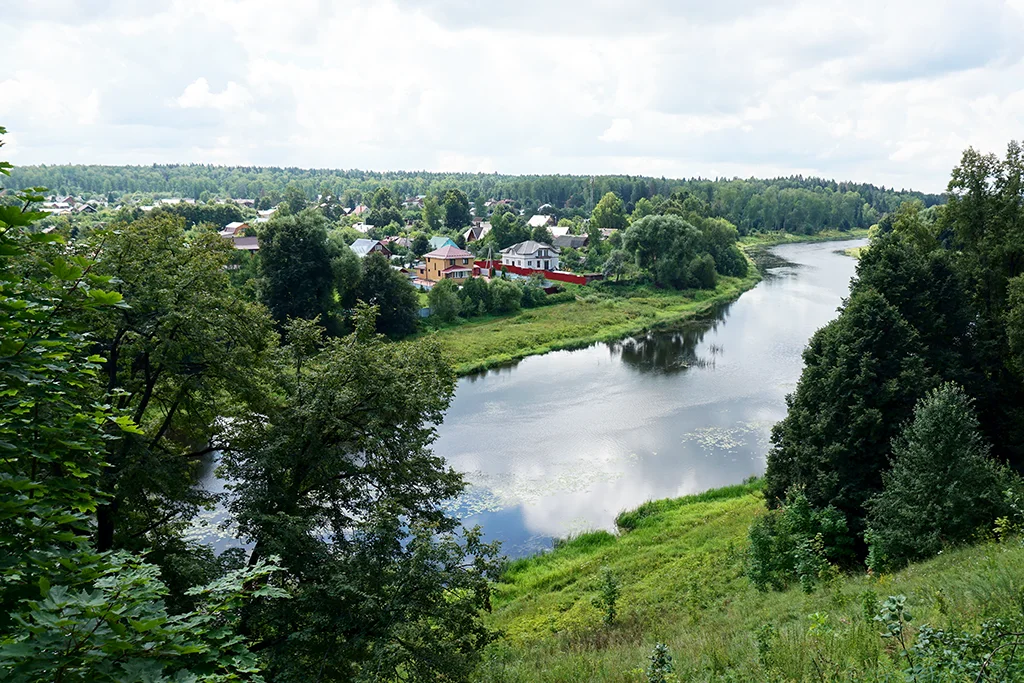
<point>562,443</point>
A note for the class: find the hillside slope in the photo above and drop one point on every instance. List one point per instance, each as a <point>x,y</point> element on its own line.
<point>680,569</point>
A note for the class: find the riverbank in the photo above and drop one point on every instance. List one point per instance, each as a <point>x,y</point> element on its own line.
<point>771,239</point>
<point>598,314</point>
<point>680,573</point>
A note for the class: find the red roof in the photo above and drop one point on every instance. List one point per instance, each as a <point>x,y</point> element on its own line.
<point>449,252</point>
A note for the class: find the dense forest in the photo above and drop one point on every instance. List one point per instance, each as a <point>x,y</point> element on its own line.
<point>795,204</point>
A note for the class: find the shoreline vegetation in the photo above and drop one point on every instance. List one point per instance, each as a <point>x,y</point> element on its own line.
<point>679,569</point>
<point>604,313</point>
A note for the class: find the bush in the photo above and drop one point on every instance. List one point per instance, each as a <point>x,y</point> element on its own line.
<point>444,300</point>
<point>796,541</point>
<point>506,297</point>
<point>608,596</point>
<point>701,272</point>
<point>942,486</point>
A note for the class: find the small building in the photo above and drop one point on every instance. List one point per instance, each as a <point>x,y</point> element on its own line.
<point>439,241</point>
<point>395,240</point>
<point>541,221</point>
<point>362,247</point>
<point>246,243</point>
<point>558,230</point>
<point>235,228</point>
<point>571,241</point>
<point>447,263</point>
<point>530,254</point>
<point>476,232</point>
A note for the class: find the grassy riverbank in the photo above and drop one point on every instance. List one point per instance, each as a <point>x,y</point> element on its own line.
<point>680,569</point>
<point>598,314</point>
<point>770,239</point>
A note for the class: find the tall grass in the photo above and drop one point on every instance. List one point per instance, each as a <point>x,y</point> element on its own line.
<point>680,565</point>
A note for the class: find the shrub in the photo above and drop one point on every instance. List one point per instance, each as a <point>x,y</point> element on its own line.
<point>506,296</point>
<point>659,667</point>
<point>796,541</point>
<point>701,272</point>
<point>942,486</point>
<point>608,595</point>
<point>444,300</point>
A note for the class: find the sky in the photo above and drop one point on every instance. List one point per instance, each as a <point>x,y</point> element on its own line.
<point>887,92</point>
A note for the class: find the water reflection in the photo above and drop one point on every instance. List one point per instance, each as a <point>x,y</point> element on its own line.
<point>563,442</point>
<point>664,352</point>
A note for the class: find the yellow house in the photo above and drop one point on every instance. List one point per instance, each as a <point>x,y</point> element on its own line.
<point>446,263</point>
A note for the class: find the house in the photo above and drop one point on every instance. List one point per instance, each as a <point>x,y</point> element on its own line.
<point>607,232</point>
<point>414,202</point>
<point>245,202</point>
<point>447,263</point>
<point>439,241</point>
<point>359,210</point>
<point>540,221</point>
<point>572,241</point>
<point>362,247</point>
<point>235,228</point>
<point>404,242</point>
<point>85,208</point>
<point>477,232</point>
<point>558,230</point>
<point>530,254</point>
<point>362,227</point>
<point>246,243</point>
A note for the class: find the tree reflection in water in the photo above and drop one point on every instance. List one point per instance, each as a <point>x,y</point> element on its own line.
<point>668,352</point>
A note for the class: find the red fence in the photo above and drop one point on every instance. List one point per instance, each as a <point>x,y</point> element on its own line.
<point>553,275</point>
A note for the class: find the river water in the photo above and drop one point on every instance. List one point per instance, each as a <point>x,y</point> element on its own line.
<point>562,443</point>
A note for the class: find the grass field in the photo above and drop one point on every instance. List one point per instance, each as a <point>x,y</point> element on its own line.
<point>680,569</point>
<point>768,239</point>
<point>596,315</point>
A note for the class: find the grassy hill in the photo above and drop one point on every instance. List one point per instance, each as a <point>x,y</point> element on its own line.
<point>680,568</point>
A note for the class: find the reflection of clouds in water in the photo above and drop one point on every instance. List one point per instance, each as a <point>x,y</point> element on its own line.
<point>568,440</point>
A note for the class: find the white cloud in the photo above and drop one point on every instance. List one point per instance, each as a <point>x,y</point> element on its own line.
<point>620,130</point>
<point>881,92</point>
<point>197,95</point>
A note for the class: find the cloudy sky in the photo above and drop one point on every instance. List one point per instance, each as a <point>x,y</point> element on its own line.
<point>881,91</point>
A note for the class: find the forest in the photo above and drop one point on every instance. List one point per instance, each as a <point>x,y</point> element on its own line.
<point>795,204</point>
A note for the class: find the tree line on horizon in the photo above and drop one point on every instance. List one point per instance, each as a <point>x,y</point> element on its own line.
<point>797,204</point>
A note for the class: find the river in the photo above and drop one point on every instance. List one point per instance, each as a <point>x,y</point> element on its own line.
<point>561,443</point>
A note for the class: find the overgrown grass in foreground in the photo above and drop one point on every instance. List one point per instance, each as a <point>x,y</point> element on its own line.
<point>598,314</point>
<point>680,570</point>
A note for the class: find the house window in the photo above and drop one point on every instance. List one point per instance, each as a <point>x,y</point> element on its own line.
<point>465,261</point>
<point>530,263</point>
